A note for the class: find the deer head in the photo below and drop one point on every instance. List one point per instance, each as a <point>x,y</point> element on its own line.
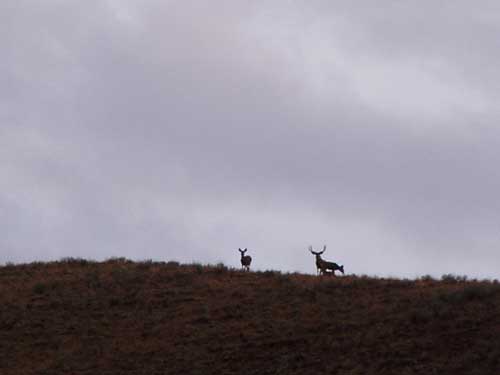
<point>317,253</point>
<point>319,261</point>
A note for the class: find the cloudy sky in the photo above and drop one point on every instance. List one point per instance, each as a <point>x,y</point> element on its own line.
<point>182,130</point>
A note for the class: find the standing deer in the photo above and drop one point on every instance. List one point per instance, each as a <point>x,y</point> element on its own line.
<point>245,260</point>
<point>322,266</point>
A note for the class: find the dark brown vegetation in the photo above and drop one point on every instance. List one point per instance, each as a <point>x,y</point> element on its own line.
<point>120,317</point>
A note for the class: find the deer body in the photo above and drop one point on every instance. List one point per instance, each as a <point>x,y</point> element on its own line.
<point>322,266</point>
<point>330,266</point>
<point>246,260</point>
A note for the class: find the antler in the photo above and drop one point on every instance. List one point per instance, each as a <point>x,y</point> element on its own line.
<point>324,248</point>
<point>314,252</point>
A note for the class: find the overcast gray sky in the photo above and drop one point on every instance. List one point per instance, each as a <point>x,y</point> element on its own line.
<point>182,130</point>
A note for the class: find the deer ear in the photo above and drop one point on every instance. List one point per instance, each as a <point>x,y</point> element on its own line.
<point>245,249</point>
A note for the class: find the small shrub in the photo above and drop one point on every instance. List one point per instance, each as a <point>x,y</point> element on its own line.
<point>93,279</point>
<point>452,279</point>
<point>479,291</point>
<point>183,278</point>
<point>173,264</point>
<point>198,268</point>
<point>145,264</point>
<point>39,288</point>
<point>269,273</point>
<point>363,281</point>
<point>468,293</point>
<point>119,260</point>
<point>422,315</point>
<point>221,268</point>
<point>442,308</point>
<point>75,261</point>
<point>426,278</point>
<point>127,276</point>
<point>405,283</point>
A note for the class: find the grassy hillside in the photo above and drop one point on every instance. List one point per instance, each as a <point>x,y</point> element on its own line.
<point>79,317</point>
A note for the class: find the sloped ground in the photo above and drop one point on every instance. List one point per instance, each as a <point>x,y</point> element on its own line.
<point>119,317</point>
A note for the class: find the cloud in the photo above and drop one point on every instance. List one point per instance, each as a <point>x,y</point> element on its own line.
<point>179,130</point>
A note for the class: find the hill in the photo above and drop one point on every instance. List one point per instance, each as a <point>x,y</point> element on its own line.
<point>121,317</point>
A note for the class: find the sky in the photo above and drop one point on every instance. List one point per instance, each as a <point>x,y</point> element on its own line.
<point>184,130</point>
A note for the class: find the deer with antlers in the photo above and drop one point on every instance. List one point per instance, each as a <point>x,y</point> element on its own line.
<point>246,260</point>
<point>322,266</point>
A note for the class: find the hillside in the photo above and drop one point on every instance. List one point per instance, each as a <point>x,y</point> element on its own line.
<point>80,317</point>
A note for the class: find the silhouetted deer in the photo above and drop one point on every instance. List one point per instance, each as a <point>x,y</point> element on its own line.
<point>322,266</point>
<point>245,260</point>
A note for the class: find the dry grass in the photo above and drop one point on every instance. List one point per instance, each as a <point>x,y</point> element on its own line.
<point>81,317</point>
